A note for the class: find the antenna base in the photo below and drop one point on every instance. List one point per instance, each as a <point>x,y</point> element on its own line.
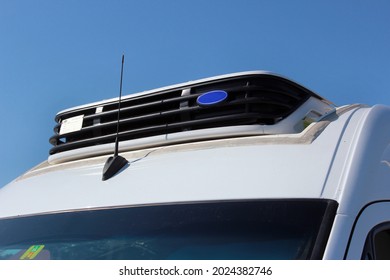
<point>112,166</point>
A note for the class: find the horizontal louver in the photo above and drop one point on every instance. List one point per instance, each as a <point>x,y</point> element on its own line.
<point>252,99</point>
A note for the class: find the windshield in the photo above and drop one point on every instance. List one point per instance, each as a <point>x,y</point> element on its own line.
<point>265,229</point>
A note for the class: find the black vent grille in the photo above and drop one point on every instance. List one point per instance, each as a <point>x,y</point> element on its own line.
<point>252,99</point>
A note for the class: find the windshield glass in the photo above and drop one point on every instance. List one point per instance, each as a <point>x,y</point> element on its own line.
<point>266,229</point>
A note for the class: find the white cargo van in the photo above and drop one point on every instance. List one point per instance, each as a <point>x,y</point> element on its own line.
<point>243,166</point>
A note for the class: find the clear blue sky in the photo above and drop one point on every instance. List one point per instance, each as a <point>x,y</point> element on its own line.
<point>59,54</point>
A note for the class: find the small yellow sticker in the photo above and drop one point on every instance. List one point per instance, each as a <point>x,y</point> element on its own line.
<point>32,252</point>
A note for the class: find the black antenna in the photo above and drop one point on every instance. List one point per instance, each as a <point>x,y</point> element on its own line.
<point>119,109</point>
<point>115,163</point>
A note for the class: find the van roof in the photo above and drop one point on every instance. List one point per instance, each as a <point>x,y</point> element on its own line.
<point>317,151</point>
<point>249,167</point>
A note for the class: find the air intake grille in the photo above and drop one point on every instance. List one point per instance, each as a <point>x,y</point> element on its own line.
<point>252,99</point>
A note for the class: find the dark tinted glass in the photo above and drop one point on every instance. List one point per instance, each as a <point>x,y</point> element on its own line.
<point>268,229</point>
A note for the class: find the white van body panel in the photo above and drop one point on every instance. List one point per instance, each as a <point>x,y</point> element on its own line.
<point>362,177</point>
<point>214,170</point>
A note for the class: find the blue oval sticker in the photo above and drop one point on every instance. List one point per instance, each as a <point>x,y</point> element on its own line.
<point>212,98</point>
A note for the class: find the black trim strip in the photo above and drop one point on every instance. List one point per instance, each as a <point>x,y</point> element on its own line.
<point>325,229</point>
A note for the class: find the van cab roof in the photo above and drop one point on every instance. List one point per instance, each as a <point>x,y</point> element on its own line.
<point>305,154</point>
